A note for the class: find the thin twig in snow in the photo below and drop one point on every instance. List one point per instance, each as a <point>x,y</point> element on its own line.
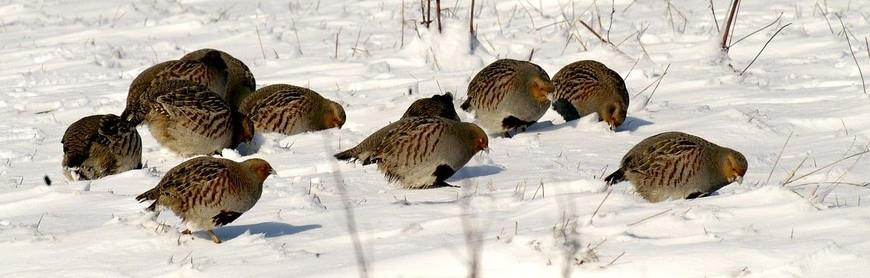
<point>261,42</point>
<point>849,42</point>
<point>826,166</point>
<point>775,162</point>
<point>715,21</point>
<point>763,47</point>
<point>756,31</point>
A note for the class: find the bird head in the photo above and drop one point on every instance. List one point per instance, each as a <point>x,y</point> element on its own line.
<point>734,166</point>
<point>243,129</point>
<point>541,87</point>
<point>480,141</point>
<point>335,116</point>
<point>260,168</point>
<point>613,113</point>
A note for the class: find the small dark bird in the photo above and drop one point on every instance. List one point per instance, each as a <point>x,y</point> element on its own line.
<point>208,192</point>
<point>676,165</point>
<point>210,71</point>
<point>100,145</point>
<point>420,152</point>
<point>190,119</point>
<point>508,95</point>
<point>587,87</point>
<point>240,81</point>
<point>435,106</point>
<point>290,110</point>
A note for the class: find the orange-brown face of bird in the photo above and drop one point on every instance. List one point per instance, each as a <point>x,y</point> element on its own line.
<point>541,88</point>
<point>613,114</point>
<point>481,140</point>
<point>734,166</point>
<point>243,129</point>
<point>260,167</point>
<point>335,117</point>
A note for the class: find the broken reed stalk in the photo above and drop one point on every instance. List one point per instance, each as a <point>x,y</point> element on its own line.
<point>428,19</point>
<point>471,19</point>
<point>849,42</point>
<point>763,47</point>
<point>775,162</point>
<point>600,204</point>
<point>728,25</point>
<point>336,42</point>
<point>438,14</point>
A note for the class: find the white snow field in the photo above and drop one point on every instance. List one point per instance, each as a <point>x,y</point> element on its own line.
<point>532,207</point>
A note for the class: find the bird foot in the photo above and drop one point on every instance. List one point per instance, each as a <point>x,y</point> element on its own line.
<point>214,237</point>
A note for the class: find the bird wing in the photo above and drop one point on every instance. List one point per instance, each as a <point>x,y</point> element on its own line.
<point>575,83</point>
<point>490,85</point>
<point>665,156</point>
<point>195,107</point>
<point>411,142</point>
<point>276,109</point>
<point>199,181</point>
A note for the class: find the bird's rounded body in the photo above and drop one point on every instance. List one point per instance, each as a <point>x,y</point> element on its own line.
<point>586,87</point>
<point>676,165</point>
<point>100,145</point>
<point>207,192</point>
<point>434,106</point>
<point>209,72</point>
<point>508,94</point>
<point>240,82</point>
<point>189,120</point>
<point>419,152</point>
<point>290,110</point>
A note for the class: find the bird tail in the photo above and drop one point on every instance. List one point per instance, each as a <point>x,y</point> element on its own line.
<point>150,195</point>
<point>348,155</point>
<point>616,177</point>
<point>466,105</point>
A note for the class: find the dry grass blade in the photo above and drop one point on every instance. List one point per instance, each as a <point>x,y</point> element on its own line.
<point>763,47</point>
<point>715,20</point>
<point>600,204</point>
<point>592,30</point>
<point>793,172</point>
<point>826,166</point>
<point>756,31</point>
<point>849,42</point>
<point>779,156</point>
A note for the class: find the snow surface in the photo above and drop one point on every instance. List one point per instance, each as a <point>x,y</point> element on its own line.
<point>531,201</point>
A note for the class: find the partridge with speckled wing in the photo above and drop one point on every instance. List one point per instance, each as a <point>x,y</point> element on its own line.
<point>207,193</point>
<point>289,110</point>
<point>420,152</point>
<point>190,119</point>
<point>508,95</point>
<point>676,165</point>
<point>435,106</point>
<point>100,145</point>
<point>240,81</point>
<point>210,71</point>
<point>586,87</point>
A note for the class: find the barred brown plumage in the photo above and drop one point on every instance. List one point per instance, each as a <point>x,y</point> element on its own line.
<point>190,119</point>
<point>289,110</point>
<point>676,165</point>
<point>240,81</point>
<point>207,192</point>
<point>435,106</point>
<point>100,145</point>
<point>586,87</point>
<point>508,94</point>
<point>420,152</point>
<point>210,71</point>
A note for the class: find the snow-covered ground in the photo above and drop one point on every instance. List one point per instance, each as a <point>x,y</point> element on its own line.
<point>528,207</point>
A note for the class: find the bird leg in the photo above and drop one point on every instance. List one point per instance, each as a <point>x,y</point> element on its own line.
<point>213,236</point>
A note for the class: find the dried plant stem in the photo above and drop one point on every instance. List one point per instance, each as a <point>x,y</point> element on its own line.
<point>762,48</point>
<point>593,31</point>
<point>775,162</point>
<point>849,42</point>
<point>756,31</point>
<point>825,167</point>
<point>715,21</point>
<point>600,204</point>
<point>728,25</point>
<point>438,14</point>
<point>261,42</point>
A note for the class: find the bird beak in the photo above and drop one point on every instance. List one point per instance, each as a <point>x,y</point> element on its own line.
<point>739,179</point>
<point>486,150</point>
<point>273,172</point>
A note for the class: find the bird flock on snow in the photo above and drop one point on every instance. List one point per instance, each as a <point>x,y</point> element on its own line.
<point>207,101</point>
